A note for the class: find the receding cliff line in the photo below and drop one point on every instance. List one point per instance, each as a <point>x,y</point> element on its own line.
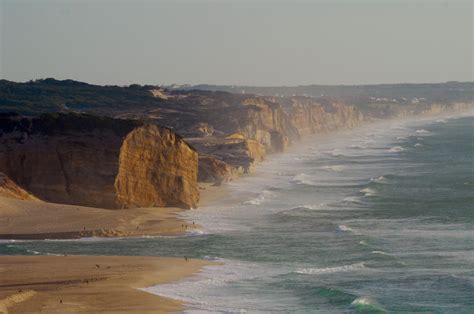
<point>272,124</point>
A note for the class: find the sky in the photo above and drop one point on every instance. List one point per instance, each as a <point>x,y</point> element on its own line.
<point>232,42</point>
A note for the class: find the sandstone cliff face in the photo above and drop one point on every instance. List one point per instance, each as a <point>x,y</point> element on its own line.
<point>268,124</point>
<point>74,159</point>
<point>310,115</point>
<point>10,189</point>
<point>156,168</point>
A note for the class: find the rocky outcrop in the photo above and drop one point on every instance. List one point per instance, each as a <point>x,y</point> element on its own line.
<point>238,152</point>
<point>10,189</point>
<point>76,159</point>
<point>213,170</point>
<point>156,168</point>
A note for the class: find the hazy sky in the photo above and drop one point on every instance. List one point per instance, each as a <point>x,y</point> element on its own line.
<point>237,42</point>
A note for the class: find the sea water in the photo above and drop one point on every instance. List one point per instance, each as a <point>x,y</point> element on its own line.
<point>375,219</point>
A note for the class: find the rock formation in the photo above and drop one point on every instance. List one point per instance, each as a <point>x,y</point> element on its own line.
<point>213,170</point>
<point>99,162</point>
<point>156,168</point>
<point>10,189</point>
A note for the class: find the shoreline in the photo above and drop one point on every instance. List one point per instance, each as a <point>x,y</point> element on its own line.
<point>90,283</point>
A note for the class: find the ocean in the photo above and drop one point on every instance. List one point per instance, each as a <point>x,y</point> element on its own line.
<point>375,219</point>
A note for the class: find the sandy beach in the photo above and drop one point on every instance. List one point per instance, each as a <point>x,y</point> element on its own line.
<point>20,219</point>
<point>89,284</point>
<point>34,219</point>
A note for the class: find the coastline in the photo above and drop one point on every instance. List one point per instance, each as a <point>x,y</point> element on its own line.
<point>90,283</point>
<point>182,290</point>
<point>115,223</point>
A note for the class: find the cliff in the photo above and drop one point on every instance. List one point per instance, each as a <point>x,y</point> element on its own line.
<point>156,168</point>
<point>214,170</point>
<point>92,161</point>
<point>311,115</point>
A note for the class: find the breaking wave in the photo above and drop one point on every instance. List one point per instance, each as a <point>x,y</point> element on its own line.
<point>336,168</point>
<point>422,131</point>
<point>344,228</point>
<point>262,197</point>
<point>301,178</point>
<point>381,179</point>
<point>368,191</point>
<point>330,270</point>
<point>379,252</point>
<point>366,305</point>
<point>396,149</point>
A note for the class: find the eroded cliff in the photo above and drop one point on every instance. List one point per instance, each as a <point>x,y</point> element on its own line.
<point>156,168</point>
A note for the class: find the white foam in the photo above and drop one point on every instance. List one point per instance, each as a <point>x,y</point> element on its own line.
<point>380,179</point>
<point>396,149</point>
<point>379,252</point>
<point>366,302</point>
<point>351,199</point>
<point>329,270</point>
<point>336,168</point>
<point>344,228</point>
<point>361,300</point>
<point>418,145</point>
<point>334,152</point>
<point>207,291</point>
<point>422,131</point>
<point>313,207</point>
<point>397,127</point>
<point>355,146</point>
<point>301,178</point>
<point>368,191</point>
<point>196,232</point>
<point>262,197</point>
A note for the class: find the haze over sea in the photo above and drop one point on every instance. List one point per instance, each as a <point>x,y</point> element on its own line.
<point>379,218</point>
